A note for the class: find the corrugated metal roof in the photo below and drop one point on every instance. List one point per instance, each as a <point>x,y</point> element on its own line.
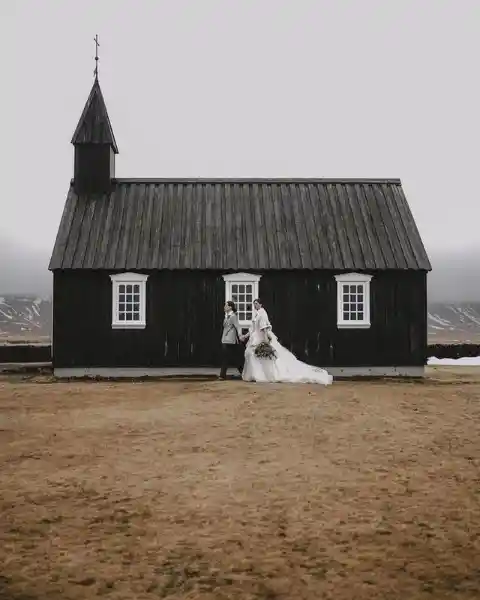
<point>94,126</point>
<point>241,224</point>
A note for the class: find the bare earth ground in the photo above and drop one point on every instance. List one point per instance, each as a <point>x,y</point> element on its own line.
<point>226,490</point>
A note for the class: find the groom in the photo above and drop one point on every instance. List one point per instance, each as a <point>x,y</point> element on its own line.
<point>232,348</point>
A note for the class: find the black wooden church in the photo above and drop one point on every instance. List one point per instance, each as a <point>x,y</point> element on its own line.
<point>142,267</point>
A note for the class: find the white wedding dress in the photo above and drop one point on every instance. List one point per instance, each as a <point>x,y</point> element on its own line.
<point>285,368</point>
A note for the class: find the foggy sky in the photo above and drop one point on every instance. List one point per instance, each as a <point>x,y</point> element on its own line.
<point>266,88</point>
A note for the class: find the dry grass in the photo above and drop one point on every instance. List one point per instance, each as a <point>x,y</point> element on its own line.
<point>454,337</point>
<point>224,490</point>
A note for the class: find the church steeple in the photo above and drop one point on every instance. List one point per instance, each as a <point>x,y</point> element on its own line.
<point>94,143</point>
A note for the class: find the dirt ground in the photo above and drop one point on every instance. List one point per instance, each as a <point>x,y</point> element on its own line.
<point>227,490</point>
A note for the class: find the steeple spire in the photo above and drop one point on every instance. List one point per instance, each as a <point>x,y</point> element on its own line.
<point>95,39</point>
<point>94,142</point>
<point>94,126</point>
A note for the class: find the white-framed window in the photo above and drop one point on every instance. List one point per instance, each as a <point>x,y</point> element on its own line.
<point>242,288</point>
<point>129,300</point>
<point>353,300</point>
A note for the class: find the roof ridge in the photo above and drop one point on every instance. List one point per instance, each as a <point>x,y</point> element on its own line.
<point>390,180</point>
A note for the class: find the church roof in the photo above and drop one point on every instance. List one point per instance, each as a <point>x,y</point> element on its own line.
<point>94,126</point>
<point>241,224</point>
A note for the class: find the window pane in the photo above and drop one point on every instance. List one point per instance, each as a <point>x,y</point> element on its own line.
<point>121,297</point>
<point>128,316</point>
<point>136,297</point>
<point>128,307</point>
<point>121,317</point>
<point>121,307</point>
<point>353,301</point>
<point>129,288</point>
<point>242,295</point>
<point>136,316</point>
<point>121,288</point>
<point>136,307</point>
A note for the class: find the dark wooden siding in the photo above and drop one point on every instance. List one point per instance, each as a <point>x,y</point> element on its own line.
<point>93,169</point>
<point>184,316</point>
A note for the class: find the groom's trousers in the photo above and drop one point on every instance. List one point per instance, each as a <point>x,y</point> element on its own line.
<point>232,356</point>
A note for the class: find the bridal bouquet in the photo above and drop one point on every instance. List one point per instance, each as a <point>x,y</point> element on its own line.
<point>265,350</point>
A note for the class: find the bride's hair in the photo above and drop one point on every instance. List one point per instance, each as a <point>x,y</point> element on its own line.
<point>259,301</point>
<point>231,304</point>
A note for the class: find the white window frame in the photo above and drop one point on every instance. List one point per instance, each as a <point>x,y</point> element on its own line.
<point>357,279</point>
<point>241,279</point>
<point>125,279</point>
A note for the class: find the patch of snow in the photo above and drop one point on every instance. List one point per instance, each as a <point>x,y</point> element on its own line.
<point>472,361</point>
<point>5,314</point>
<point>471,316</point>
<point>439,320</point>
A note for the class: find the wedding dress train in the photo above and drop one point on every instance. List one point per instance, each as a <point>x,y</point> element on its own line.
<point>285,368</point>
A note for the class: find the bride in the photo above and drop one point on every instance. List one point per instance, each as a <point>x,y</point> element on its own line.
<point>285,367</point>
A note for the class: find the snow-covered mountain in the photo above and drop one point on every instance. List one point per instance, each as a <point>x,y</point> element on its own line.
<point>25,317</point>
<point>454,322</point>
<point>30,317</point>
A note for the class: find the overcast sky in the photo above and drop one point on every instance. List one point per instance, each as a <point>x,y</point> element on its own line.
<point>359,88</point>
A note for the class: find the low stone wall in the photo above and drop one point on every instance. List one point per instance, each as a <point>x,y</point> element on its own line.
<point>25,353</point>
<point>42,353</point>
<point>453,350</point>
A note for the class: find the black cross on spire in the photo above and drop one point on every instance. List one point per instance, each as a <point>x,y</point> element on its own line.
<point>96,56</point>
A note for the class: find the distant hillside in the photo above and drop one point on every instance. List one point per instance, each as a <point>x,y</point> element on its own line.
<point>24,316</point>
<point>30,317</point>
<point>454,322</point>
